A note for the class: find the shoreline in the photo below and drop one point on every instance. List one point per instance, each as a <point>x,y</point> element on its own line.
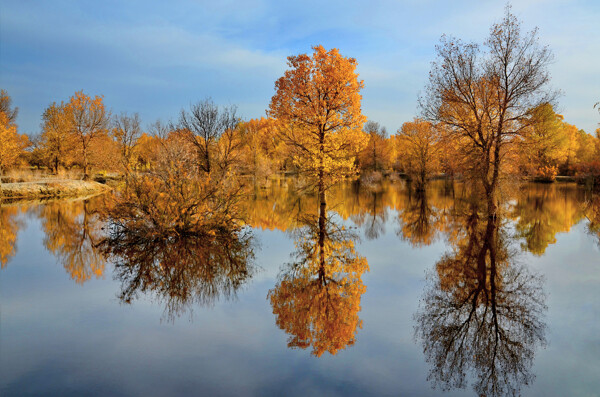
<point>52,188</point>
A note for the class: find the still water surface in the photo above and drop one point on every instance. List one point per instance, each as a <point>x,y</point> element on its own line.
<point>422,296</point>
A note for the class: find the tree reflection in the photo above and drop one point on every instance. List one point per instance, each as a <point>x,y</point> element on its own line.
<point>481,312</point>
<point>592,213</point>
<point>542,212</point>
<point>373,211</point>
<point>9,228</point>
<point>317,298</point>
<point>419,222</point>
<point>180,270</point>
<point>178,240</point>
<point>73,230</point>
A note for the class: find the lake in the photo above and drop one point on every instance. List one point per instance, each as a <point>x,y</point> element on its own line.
<point>409,294</point>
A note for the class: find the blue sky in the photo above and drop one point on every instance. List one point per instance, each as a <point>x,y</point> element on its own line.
<point>157,57</point>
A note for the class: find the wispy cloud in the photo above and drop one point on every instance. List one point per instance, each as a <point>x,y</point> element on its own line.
<point>156,58</point>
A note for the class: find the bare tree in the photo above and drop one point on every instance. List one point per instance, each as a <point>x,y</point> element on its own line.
<point>6,107</point>
<point>376,153</point>
<point>485,96</point>
<point>126,130</point>
<point>203,125</point>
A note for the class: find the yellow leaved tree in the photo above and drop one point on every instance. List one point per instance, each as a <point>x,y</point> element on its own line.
<point>317,105</point>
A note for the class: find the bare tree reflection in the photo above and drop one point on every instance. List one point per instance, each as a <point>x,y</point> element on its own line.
<point>370,210</point>
<point>419,222</point>
<point>179,270</point>
<point>481,313</point>
<point>317,298</point>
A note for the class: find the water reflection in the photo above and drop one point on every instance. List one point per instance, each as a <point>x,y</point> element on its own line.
<point>73,230</point>
<point>419,221</point>
<point>317,297</point>
<point>481,311</point>
<point>173,251</point>
<point>373,212</point>
<point>592,213</point>
<point>541,211</point>
<point>9,228</point>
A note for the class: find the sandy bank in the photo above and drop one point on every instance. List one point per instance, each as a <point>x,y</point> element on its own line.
<point>51,188</point>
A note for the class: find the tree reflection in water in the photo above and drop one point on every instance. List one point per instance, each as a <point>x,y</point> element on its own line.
<point>419,222</point>
<point>592,213</point>
<point>73,230</point>
<point>180,270</point>
<point>177,236</point>
<point>481,312</point>
<point>317,298</point>
<point>9,228</point>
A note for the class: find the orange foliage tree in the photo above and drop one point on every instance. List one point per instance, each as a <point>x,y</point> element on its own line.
<point>376,155</point>
<point>88,121</point>
<point>419,143</point>
<point>11,142</point>
<point>317,104</point>
<point>58,146</point>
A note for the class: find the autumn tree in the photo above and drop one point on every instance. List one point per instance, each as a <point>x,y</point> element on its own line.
<point>7,108</point>
<point>204,124</point>
<point>544,144</point>
<point>376,154</point>
<point>88,121</point>
<point>419,145</point>
<point>126,131</point>
<point>146,151</point>
<point>484,96</point>
<point>11,142</point>
<point>260,152</point>
<point>317,106</point>
<point>56,143</point>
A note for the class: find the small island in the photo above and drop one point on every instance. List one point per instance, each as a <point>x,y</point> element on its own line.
<point>51,188</point>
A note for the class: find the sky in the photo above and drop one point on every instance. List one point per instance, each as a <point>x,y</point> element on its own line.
<point>156,58</point>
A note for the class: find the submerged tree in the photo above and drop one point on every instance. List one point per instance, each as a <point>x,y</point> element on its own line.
<point>484,98</point>
<point>177,233</point>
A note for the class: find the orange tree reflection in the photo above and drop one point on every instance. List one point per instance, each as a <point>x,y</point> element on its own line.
<point>317,298</point>
<point>73,230</point>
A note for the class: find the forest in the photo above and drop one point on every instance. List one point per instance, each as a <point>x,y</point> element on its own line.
<point>487,115</point>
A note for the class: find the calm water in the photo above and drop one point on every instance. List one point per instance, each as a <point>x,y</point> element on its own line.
<point>259,317</point>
